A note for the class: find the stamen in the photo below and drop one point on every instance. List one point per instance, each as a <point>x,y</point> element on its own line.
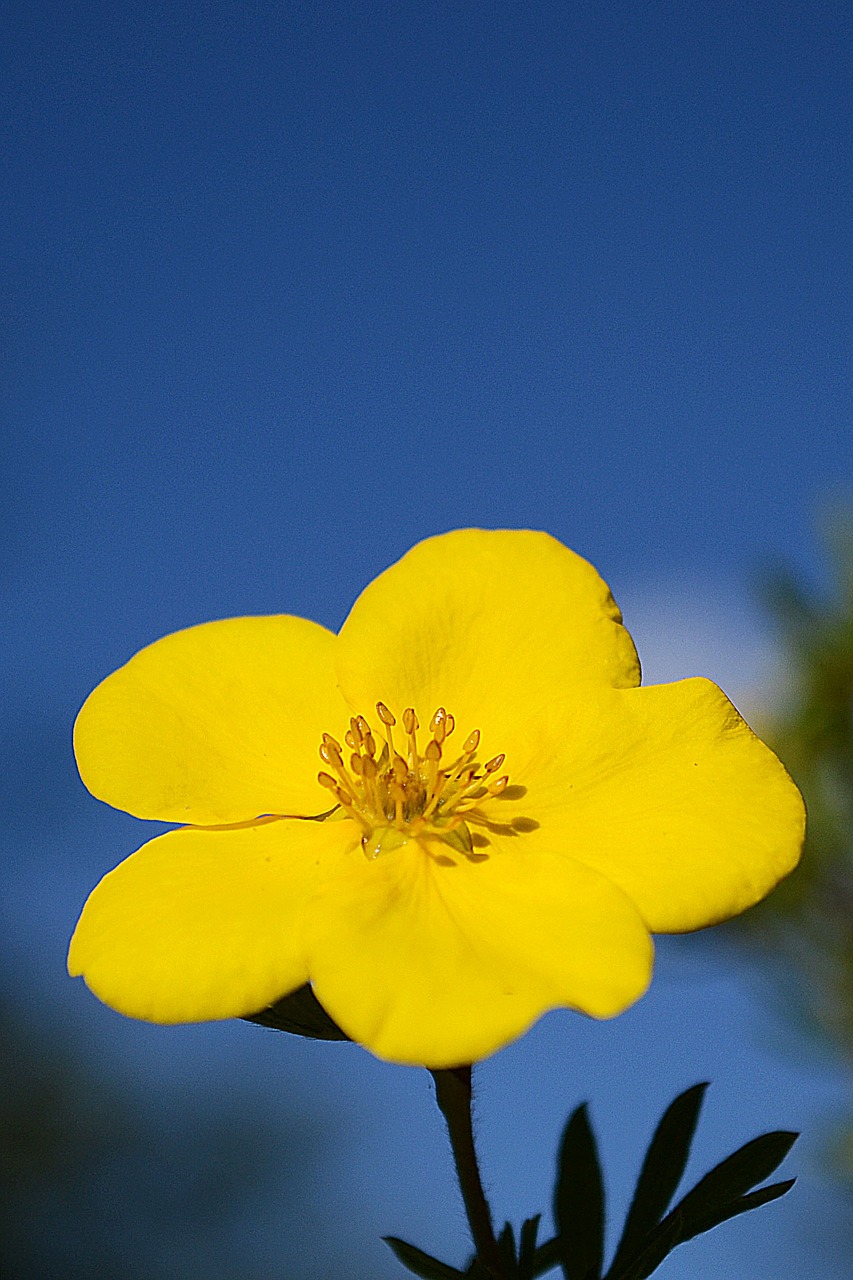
<point>434,795</point>
<point>457,783</point>
<point>368,774</point>
<point>388,721</point>
<point>411,725</point>
<point>368,767</point>
<point>344,799</point>
<point>409,792</point>
<point>398,795</point>
<point>330,754</point>
<point>438,725</point>
<point>400,769</point>
<point>474,790</point>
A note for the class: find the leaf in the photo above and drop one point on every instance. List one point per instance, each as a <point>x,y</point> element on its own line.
<point>546,1256</point>
<point>659,1243</point>
<point>527,1247</point>
<point>301,1014</point>
<point>754,1200</point>
<point>506,1244</point>
<point>672,1231</point>
<point>661,1173</point>
<point>715,1198</point>
<point>732,1178</point>
<point>421,1263</point>
<point>579,1201</point>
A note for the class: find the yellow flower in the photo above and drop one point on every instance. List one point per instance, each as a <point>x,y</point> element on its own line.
<point>501,815</point>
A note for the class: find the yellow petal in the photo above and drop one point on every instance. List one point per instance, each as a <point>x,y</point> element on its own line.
<point>667,792</point>
<point>438,965</point>
<point>219,723</point>
<point>201,925</point>
<point>489,624</point>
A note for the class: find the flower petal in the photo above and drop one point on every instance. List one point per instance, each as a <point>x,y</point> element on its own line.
<point>667,792</point>
<point>215,724</point>
<point>437,961</point>
<point>489,624</point>
<point>200,925</point>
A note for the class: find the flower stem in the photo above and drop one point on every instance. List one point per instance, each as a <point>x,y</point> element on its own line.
<point>453,1093</point>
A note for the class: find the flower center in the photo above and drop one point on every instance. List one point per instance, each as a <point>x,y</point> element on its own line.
<point>395,790</point>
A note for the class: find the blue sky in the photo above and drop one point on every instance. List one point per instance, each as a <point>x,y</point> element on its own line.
<point>292,285</point>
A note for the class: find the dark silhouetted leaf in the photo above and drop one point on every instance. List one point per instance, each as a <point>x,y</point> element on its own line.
<point>527,1247</point>
<point>301,1014</point>
<point>421,1263</point>
<point>506,1244</point>
<point>579,1201</point>
<point>721,1194</point>
<point>547,1256</point>
<point>754,1200</point>
<point>732,1178</point>
<point>673,1231</point>
<point>658,1244</point>
<point>661,1173</point>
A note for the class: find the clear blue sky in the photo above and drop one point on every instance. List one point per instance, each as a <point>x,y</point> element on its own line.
<point>292,285</point>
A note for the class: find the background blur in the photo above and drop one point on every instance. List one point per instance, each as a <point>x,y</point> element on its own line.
<point>290,285</point>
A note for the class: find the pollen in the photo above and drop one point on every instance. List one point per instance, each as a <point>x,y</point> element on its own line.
<point>396,791</point>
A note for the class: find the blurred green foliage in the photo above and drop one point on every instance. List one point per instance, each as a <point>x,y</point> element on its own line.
<point>808,921</point>
<point>97,1183</point>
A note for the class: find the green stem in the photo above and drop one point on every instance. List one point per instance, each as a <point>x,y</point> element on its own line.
<point>453,1093</point>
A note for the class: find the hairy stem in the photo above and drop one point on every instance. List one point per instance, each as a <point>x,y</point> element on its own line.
<point>453,1094</point>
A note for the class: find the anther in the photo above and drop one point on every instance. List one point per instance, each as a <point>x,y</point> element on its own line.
<point>401,770</point>
<point>407,788</point>
<point>438,718</point>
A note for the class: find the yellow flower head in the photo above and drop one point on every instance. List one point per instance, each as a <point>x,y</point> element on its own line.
<point>496,820</point>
